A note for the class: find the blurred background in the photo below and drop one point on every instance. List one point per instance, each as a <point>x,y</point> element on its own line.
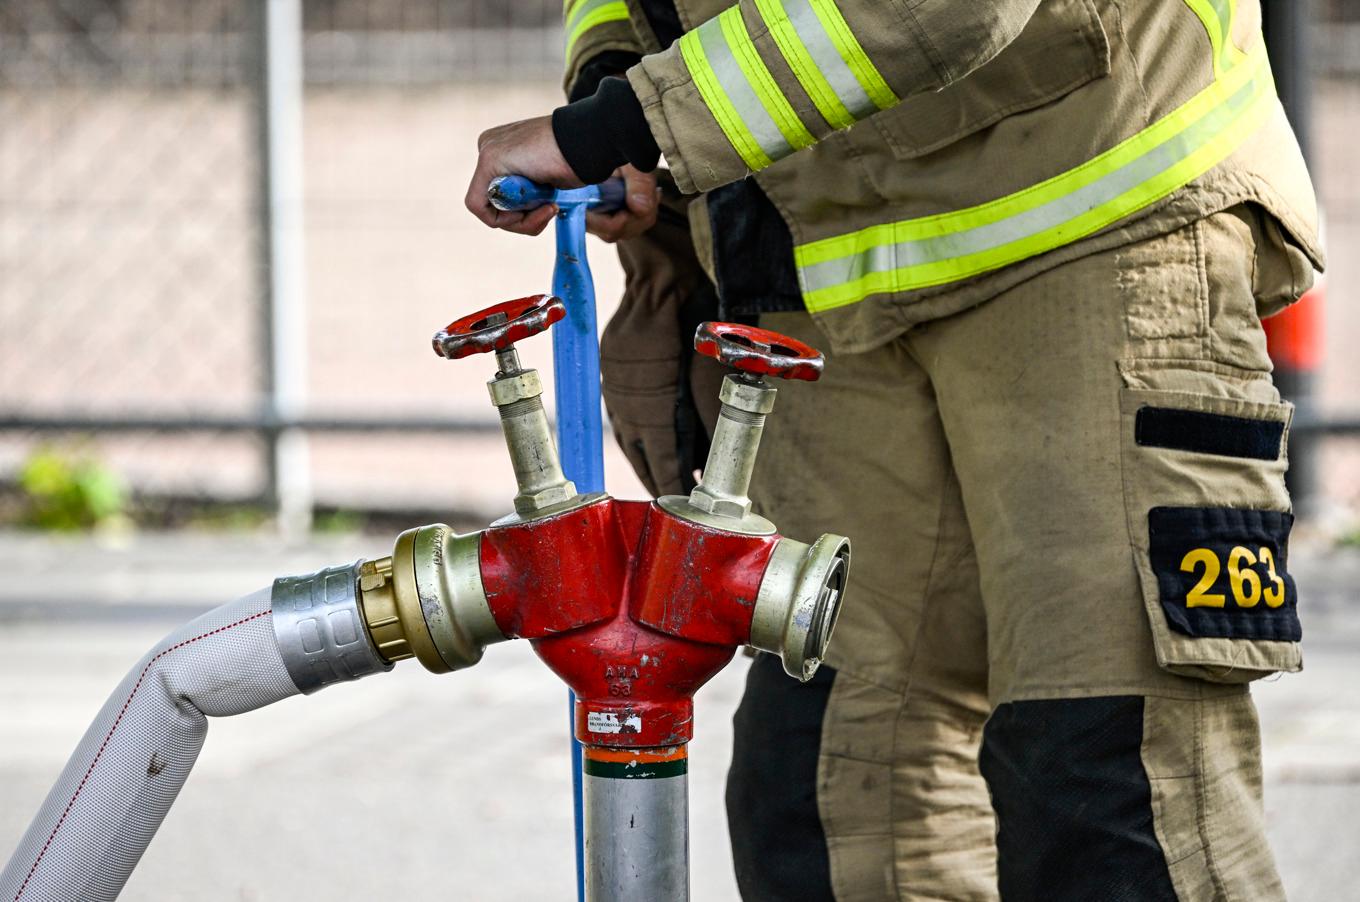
<point>223,248</point>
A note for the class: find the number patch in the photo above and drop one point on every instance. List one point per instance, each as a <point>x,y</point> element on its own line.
<point>1243,579</point>
<point>1221,572</point>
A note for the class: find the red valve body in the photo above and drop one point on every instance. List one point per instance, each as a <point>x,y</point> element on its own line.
<point>632,607</point>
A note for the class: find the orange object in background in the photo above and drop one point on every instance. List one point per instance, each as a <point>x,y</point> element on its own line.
<point>1294,337</point>
<point>1294,340</point>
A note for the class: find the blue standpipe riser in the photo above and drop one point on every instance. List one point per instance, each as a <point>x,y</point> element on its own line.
<point>576,358</point>
<point>580,428</point>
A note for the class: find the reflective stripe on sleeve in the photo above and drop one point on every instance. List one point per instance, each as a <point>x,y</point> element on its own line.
<point>828,62</point>
<point>741,93</point>
<point>864,71</point>
<point>934,250</point>
<point>739,90</point>
<point>583,15</point>
<point>777,108</point>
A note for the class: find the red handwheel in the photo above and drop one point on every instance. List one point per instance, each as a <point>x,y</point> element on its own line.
<point>759,351</point>
<point>497,328</point>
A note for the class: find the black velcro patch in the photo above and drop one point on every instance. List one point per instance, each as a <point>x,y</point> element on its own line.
<point>1221,572</point>
<point>1208,433</point>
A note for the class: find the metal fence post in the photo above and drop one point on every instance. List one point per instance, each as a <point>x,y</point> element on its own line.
<point>284,321</point>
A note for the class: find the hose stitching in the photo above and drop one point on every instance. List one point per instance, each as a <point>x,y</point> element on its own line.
<point>85,779</point>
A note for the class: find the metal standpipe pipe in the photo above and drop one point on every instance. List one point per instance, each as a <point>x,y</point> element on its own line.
<point>303,634</point>
<point>636,824</point>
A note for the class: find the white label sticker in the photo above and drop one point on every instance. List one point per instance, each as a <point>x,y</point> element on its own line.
<point>608,722</point>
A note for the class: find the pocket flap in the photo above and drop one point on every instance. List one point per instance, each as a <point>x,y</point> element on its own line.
<point>1062,47</point>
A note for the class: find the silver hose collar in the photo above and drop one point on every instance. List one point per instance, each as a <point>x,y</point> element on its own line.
<point>799,600</point>
<point>320,629</point>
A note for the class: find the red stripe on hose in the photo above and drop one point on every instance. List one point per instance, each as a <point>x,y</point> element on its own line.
<point>105,743</point>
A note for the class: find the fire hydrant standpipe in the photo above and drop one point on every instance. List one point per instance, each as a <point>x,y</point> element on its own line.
<point>635,605</point>
<point>576,377</point>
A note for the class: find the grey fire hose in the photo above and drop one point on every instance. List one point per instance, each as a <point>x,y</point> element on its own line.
<point>303,634</point>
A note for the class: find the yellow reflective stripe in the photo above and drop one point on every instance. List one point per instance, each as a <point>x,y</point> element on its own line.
<point>1218,16</point>
<point>1208,14</point>
<point>1036,195</point>
<point>761,81</point>
<point>919,253</point>
<point>804,68</point>
<point>864,70</point>
<point>588,14</point>
<point>715,98</point>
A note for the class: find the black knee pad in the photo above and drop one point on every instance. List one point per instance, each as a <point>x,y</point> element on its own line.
<point>1073,802</point>
<point>778,845</point>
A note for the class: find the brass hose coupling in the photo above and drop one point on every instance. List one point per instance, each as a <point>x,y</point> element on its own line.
<point>427,601</point>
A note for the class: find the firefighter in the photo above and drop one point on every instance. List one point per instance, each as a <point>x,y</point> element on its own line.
<point>1037,238</point>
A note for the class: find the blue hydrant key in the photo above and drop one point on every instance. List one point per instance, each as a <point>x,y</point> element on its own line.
<point>514,192</point>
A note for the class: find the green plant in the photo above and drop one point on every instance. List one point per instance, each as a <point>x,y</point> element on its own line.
<point>338,522</point>
<point>65,493</point>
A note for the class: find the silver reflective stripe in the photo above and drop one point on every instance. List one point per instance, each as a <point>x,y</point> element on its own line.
<point>905,254</point>
<point>828,59</point>
<point>1225,10</point>
<point>739,91</point>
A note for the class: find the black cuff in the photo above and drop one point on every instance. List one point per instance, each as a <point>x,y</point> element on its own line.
<point>600,67</point>
<point>600,133</point>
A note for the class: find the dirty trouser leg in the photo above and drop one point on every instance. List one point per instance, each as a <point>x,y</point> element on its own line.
<point>1120,449</point>
<point>863,784</point>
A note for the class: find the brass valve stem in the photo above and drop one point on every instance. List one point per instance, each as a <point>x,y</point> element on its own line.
<point>732,455</point>
<point>518,396</point>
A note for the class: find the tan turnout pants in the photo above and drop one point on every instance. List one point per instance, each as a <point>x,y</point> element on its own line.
<point>1038,491</point>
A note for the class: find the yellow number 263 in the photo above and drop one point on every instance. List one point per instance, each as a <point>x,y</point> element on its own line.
<point>1244,581</point>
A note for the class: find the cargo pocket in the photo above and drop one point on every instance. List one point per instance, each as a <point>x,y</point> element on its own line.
<point>1203,452</point>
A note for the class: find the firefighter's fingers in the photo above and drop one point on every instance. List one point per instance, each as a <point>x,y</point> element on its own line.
<point>525,148</point>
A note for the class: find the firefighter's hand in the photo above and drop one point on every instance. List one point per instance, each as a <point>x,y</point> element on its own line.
<point>643,199</point>
<point>525,148</point>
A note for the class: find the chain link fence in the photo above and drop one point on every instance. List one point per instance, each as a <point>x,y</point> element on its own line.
<point>133,292</point>
<point>128,232</point>
<point>133,298</point>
